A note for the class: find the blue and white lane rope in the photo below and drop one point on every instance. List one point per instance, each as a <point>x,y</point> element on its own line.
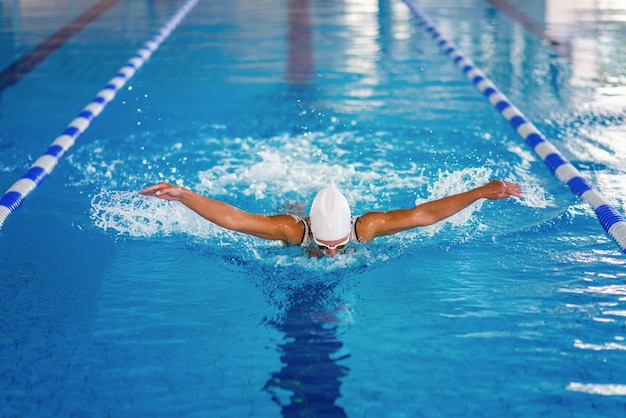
<point>610,219</point>
<point>14,197</point>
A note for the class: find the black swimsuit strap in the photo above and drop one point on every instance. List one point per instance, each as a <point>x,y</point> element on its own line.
<point>356,236</point>
<point>305,233</point>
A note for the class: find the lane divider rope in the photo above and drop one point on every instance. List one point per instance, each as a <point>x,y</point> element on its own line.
<point>41,168</point>
<point>610,219</point>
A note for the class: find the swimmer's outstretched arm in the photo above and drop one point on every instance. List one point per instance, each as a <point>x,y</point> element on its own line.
<point>374,224</point>
<point>273,227</point>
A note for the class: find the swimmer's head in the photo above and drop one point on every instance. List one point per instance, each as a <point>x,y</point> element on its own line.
<point>330,215</point>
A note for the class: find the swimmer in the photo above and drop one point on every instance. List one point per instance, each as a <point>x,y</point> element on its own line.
<point>330,225</point>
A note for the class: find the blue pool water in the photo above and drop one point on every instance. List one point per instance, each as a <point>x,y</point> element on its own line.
<point>113,304</point>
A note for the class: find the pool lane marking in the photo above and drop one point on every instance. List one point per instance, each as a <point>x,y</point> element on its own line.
<point>27,62</point>
<point>15,195</point>
<point>610,219</point>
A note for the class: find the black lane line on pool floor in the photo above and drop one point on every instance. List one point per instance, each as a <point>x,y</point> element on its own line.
<point>27,62</point>
<point>537,28</point>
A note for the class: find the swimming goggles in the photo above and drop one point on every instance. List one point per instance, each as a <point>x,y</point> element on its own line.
<point>339,246</point>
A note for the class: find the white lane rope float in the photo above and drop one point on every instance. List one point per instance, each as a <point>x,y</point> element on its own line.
<point>41,168</point>
<point>610,219</point>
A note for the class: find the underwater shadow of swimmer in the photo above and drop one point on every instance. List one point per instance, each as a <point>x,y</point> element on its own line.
<point>309,382</point>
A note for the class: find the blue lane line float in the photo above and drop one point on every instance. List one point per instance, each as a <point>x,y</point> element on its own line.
<point>610,219</point>
<point>14,197</point>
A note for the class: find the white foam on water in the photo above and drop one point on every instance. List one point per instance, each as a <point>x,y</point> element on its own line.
<point>605,389</point>
<point>300,166</point>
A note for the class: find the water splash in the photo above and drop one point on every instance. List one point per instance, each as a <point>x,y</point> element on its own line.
<point>128,213</point>
<point>605,389</point>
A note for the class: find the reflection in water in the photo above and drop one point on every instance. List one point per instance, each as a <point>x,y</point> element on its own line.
<point>300,54</point>
<point>309,382</point>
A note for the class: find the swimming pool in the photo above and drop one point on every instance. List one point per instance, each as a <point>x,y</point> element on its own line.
<point>115,304</point>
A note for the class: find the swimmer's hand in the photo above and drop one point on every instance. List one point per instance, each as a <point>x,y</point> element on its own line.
<point>163,191</point>
<point>499,189</point>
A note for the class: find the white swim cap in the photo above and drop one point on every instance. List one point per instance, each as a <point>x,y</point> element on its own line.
<point>330,215</point>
